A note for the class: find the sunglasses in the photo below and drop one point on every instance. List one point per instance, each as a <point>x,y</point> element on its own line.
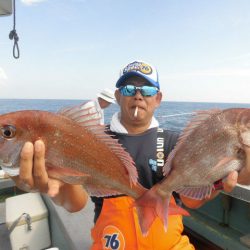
<point>130,90</point>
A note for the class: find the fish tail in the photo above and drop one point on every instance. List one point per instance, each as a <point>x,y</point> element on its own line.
<point>152,205</point>
<point>146,217</point>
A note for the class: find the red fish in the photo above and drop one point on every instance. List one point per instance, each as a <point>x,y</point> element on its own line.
<point>78,151</point>
<point>210,147</point>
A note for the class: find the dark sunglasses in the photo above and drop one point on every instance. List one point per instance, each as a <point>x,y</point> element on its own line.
<point>130,90</point>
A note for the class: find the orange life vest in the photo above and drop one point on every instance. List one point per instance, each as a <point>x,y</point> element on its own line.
<point>117,228</point>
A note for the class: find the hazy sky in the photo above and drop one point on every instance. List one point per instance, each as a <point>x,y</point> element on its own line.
<point>72,49</point>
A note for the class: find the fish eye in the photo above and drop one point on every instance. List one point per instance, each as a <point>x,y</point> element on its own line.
<point>8,131</point>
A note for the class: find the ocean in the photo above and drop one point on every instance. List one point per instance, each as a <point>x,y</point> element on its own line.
<point>171,115</point>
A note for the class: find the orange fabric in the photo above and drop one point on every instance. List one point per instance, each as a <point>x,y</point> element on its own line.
<point>117,228</point>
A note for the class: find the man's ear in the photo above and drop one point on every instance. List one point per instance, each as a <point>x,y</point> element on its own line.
<point>158,98</point>
<point>117,96</point>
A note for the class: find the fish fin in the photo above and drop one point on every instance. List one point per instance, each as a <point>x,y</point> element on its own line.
<point>202,192</point>
<point>73,180</point>
<point>174,209</point>
<point>64,171</point>
<point>197,193</point>
<point>199,118</point>
<point>93,190</point>
<point>146,217</point>
<point>85,115</point>
<point>222,162</point>
<point>82,179</point>
<point>150,205</point>
<point>66,175</point>
<point>100,190</point>
<point>224,167</point>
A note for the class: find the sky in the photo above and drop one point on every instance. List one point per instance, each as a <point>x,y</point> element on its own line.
<point>72,49</point>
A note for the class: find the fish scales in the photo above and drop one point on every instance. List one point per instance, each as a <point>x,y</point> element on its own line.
<point>211,146</point>
<point>78,151</point>
<point>68,146</point>
<point>216,138</point>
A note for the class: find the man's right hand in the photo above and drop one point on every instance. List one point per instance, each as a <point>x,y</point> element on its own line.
<point>33,175</point>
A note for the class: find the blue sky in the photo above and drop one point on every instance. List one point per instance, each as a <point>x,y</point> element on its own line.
<point>72,49</point>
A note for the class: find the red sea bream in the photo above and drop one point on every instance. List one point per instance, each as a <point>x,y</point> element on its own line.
<point>78,151</point>
<point>210,147</point>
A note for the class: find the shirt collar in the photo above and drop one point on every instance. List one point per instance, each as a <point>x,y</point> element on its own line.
<point>116,126</point>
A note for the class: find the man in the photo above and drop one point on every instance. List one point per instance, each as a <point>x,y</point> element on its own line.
<point>104,99</point>
<point>138,94</point>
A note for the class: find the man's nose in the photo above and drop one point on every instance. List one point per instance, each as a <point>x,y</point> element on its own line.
<point>138,94</point>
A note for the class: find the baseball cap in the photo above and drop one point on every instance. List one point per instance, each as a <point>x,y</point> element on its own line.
<point>139,68</point>
<point>107,95</point>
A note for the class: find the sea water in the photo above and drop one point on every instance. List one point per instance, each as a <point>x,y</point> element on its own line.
<point>171,115</point>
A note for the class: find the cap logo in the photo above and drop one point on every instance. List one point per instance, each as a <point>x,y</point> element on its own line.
<point>138,66</point>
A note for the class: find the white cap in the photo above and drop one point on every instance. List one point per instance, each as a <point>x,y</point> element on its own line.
<point>107,95</point>
<point>139,68</point>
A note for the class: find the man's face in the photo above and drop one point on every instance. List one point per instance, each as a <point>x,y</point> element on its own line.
<point>103,103</point>
<point>146,105</point>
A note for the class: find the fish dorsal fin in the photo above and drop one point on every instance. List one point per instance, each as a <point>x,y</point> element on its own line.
<point>84,114</point>
<point>89,117</point>
<point>200,117</point>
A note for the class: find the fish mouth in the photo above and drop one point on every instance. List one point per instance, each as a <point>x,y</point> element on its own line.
<point>8,168</point>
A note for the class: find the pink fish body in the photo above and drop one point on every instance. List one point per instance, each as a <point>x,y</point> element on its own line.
<point>209,148</point>
<point>78,151</point>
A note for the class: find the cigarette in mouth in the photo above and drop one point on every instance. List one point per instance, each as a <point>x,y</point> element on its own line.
<point>136,111</point>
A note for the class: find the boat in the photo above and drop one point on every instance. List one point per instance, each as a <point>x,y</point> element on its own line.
<point>222,223</point>
<point>68,231</point>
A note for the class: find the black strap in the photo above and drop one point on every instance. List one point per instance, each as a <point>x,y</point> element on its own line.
<point>162,137</point>
<point>160,153</point>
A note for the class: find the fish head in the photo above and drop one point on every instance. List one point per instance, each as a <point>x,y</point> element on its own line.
<point>14,132</point>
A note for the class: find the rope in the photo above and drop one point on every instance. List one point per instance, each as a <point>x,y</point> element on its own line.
<point>180,114</point>
<point>27,219</point>
<point>13,34</point>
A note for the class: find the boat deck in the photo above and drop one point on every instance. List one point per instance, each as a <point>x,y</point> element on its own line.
<point>223,223</point>
<point>4,234</point>
<point>69,231</point>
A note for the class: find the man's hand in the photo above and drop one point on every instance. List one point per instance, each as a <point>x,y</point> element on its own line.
<point>33,175</point>
<point>228,185</point>
<point>244,175</point>
<point>230,181</point>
